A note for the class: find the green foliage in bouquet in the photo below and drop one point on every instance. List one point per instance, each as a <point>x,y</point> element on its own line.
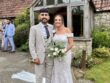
<point>56,50</point>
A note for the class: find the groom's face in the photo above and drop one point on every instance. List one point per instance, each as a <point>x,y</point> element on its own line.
<point>44,17</point>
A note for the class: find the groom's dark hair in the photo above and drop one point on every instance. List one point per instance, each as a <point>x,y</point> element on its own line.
<point>44,10</point>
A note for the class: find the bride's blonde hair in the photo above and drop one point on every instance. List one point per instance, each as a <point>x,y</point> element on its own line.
<point>60,17</point>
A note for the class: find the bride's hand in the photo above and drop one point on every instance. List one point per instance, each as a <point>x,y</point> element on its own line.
<point>65,50</point>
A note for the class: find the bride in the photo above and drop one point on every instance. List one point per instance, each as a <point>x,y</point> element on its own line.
<point>62,68</point>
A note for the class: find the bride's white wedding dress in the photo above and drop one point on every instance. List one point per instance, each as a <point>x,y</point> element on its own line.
<point>62,67</point>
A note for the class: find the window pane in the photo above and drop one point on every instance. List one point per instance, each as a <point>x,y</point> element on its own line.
<point>68,1</point>
<point>75,0</point>
<point>40,3</point>
<point>77,21</point>
<point>50,2</point>
<point>36,20</point>
<point>63,1</point>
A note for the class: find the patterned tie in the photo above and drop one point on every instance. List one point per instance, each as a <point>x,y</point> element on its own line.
<point>47,31</point>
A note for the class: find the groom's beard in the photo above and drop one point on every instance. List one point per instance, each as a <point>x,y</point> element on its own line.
<point>44,20</point>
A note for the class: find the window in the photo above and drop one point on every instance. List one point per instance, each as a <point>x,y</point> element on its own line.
<point>77,21</point>
<point>40,3</point>
<point>75,0</point>
<point>50,2</point>
<point>36,20</point>
<point>63,1</point>
<point>68,1</point>
<point>58,10</point>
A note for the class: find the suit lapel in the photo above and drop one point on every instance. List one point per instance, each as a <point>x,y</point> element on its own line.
<point>40,32</point>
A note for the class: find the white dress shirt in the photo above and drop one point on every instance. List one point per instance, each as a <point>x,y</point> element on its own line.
<point>43,30</point>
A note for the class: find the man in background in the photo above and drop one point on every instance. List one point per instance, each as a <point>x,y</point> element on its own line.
<point>2,29</point>
<point>8,36</point>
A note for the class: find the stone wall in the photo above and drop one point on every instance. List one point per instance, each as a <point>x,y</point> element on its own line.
<point>80,45</point>
<point>102,19</point>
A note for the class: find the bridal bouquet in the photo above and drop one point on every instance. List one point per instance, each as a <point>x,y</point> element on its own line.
<point>57,50</point>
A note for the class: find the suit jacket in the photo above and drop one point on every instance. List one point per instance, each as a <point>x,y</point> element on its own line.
<point>10,30</point>
<point>37,44</point>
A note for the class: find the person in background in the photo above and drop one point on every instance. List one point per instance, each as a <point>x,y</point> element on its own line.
<point>3,30</point>
<point>1,35</point>
<point>8,36</point>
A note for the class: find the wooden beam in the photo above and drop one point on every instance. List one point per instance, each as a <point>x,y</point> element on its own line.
<point>44,2</point>
<point>31,17</point>
<point>69,17</point>
<point>59,5</point>
<point>35,3</point>
<point>56,2</point>
<point>92,18</point>
<point>83,60</point>
<point>86,30</point>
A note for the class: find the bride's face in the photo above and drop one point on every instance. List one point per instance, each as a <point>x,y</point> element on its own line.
<point>58,21</point>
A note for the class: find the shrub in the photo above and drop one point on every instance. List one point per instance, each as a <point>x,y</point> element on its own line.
<point>99,55</point>
<point>92,61</point>
<point>101,39</point>
<point>24,47</point>
<point>23,17</point>
<point>76,61</point>
<point>101,52</point>
<point>22,23</point>
<point>21,34</point>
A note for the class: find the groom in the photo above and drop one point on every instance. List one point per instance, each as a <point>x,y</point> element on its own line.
<point>39,39</point>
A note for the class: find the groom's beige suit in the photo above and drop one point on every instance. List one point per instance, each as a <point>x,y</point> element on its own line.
<point>38,45</point>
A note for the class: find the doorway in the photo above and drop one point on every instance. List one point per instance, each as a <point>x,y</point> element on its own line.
<point>58,10</point>
<point>77,21</point>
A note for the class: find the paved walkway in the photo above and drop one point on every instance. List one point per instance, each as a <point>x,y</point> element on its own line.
<point>11,63</point>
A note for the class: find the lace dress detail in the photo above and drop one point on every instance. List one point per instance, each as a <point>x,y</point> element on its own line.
<point>62,68</point>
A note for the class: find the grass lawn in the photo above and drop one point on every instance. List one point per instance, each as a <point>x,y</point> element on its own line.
<point>99,73</point>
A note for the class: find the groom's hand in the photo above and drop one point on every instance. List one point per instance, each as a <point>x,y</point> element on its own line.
<point>1,30</point>
<point>37,61</point>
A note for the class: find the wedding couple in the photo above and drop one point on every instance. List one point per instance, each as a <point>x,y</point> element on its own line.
<point>40,37</point>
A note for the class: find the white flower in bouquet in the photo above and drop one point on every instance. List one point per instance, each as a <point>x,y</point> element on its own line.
<point>54,53</point>
<point>63,50</point>
<point>56,49</point>
<point>49,55</point>
<point>51,49</point>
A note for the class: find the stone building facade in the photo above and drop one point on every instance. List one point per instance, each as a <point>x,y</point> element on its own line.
<point>102,19</point>
<point>78,16</point>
